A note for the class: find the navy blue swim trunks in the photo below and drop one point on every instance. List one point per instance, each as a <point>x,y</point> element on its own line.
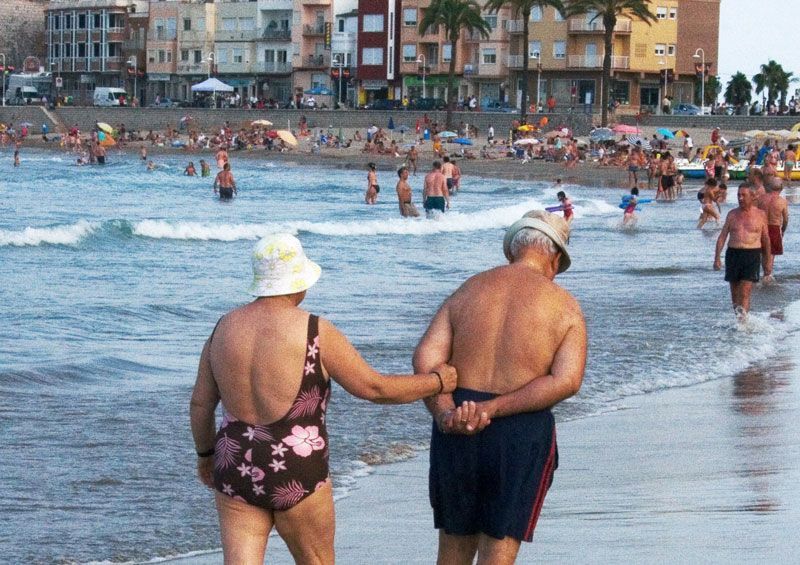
<point>434,203</point>
<point>493,482</point>
<point>742,264</point>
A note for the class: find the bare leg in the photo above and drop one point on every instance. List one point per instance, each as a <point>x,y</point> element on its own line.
<point>244,530</point>
<point>740,294</point>
<point>493,551</point>
<point>456,550</point>
<point>308,528</point>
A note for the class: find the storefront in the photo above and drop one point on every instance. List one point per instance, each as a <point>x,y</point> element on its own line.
<point>435,86</point>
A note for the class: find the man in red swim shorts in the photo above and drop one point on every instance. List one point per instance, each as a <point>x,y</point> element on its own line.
<point>777,209</point>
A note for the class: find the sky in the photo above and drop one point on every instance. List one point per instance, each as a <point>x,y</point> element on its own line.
<point>751,32</point>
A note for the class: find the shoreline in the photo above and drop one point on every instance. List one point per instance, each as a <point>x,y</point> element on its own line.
<point>732,465</point>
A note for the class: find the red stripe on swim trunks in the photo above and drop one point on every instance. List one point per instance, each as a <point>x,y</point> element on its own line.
<point>544,484</point>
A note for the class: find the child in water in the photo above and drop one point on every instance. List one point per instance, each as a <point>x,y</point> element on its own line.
<point>151,166</point>
<point>629,216</point>
<point>566,205</point>
<point>16,158</point>
<point>190,171</point>
<point>205,168</point>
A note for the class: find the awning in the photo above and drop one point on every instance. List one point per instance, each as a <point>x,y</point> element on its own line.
<point>433,80</point>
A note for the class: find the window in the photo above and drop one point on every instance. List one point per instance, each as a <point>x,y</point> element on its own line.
<point>221,56</point>
<point>447,53</point>
<point>81,21</point>
<point>229,24</point>
<point>247,24</point>
<point>319,80</point>
<point>169,56</point>
<point>184,55</point>
<point>559,49</point>
<point>81,50</point>
<point>198,56</point>
<point>673,13</point>
<point>151,57</point>
<point>162,56</point>
<point>559,17</point>
<point>238,55</point>
<point>621,92</point>
<point>409,16</point>
<point>671,50</point>
<point>409,53</point>
<point>660,49</point>
<point>98,22</point>
<point>68,50</point>
<point>340,25</point>
<point>373,22</point>
<point>536,13</point>
<point>489,55</point>
<point>172,28</point>
<point>491,20</point>
<point>372,56</point>
<point>68,21</point>
<point>97,50</point>
<point>187,24</point>
<point>661,12</point>
<point>534,49</point>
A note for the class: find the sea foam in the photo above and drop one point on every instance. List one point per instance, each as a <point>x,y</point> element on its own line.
<point>70,234</point>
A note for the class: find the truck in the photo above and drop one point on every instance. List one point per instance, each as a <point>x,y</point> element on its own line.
<point>28,88</point>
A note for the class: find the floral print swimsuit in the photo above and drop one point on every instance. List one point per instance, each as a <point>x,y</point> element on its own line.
<point>275,466</point>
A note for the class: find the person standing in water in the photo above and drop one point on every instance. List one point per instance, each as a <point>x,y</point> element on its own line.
<point>205,168</point>
<point>407,208</point>
<point>748,248</point>
<point>566,206</point>
<point>190,171</point>
<point>629,216</point>
<point>224,184</point>
<point>371,196</point>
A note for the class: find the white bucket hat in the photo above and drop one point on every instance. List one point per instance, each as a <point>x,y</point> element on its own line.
<point>281,267</point>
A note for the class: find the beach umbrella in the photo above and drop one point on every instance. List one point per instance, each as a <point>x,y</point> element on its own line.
<point>783,133</point>
<point>796,127</point>
<point>462,141</point>
<point>636,140</point>
<point>626,129</point>
<point>102,126</point>
<point>526,127</point>
<point>288,137</point>
<point>681,133</point>
<point>446,134</point>
<point>755,133</point>
<point>582,141</point>
<point>736,143</point>
<point>793,136</point>
<point>272,134</point>
<point>265,123</point>
<point>527,141</point>
<point>601,134</point>
<point>108,141</point>
<point>319,91</point>
<point>564,132</point>
<point>666,133</point>
<point>390,126</point>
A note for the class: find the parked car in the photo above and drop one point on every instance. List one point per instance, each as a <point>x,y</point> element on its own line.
<point>384,104</point>
<point>165,103</point>
<point>429,104</point>
<point>686,110</point>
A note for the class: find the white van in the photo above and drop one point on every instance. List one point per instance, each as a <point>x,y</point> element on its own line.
<point>108,96</point>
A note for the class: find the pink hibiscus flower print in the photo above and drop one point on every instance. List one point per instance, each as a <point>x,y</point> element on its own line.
<point>309,368</point>
<point>304,441</point>
<point>257,474</point>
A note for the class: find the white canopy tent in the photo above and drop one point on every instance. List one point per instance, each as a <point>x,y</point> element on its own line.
<point>211,85</point>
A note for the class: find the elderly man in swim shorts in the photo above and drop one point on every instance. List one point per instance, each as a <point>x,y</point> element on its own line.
<point>518,341</point>
<point>777,209</point>
<point>748,249</point>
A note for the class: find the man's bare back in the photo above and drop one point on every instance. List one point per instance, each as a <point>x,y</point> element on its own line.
<point>435,185</point>
<point>503,339</point>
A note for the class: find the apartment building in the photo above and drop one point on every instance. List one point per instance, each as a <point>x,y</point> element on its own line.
<point>344,53</point>
<point>85,43</point>
<point>698,33</point>
<point>379,76</point>
<point>312,28</point>
<point>22,22</point>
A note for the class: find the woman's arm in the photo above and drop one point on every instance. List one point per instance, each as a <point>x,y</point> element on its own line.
<point>346,366</point>
<point>205,398</point>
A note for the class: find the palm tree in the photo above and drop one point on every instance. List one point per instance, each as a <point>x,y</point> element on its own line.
<point>523,8</point>
<point>608,11</point>
<point>739,90</point>
<point>774,80</point>
<point>453,16</point>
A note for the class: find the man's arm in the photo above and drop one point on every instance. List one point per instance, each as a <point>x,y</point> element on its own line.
<point>766,247</point>
<point>564,380</point>
<point>784,217</point>
<point>723,236</point>
<point>433,349</point>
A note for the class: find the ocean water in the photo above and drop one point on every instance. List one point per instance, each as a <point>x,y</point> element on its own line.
<point>111,279</point>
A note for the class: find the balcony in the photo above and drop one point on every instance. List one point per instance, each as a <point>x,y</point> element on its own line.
<point>596,62</point>
<point>485,69</point>
<point>515,61</point>
<point>316,29</point>
<point>584,26</point>
<point>277,35</point>
<point>317,61</point>
<point>267,5</point>
<point>244,35</point>
<point>275,68</point>
<point>496,34</point>
<point>515,26</point>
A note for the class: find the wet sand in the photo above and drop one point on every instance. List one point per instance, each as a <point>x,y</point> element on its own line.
<point>702,474</point>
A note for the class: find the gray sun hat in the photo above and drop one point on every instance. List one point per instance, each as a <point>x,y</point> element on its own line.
<point>538,220</point>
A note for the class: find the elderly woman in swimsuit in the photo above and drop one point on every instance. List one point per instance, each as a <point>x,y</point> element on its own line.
<point>270,363</point>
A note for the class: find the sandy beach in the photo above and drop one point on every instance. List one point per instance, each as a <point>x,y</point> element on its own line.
<point>702,474</point>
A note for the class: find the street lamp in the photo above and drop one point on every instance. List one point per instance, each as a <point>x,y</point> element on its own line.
<point>663,63</point>
<point>701,54</point>
<point>3,55</point>
<point>536,55</point>
<point>135,63</point>
<point>210,62</point>
<point>421,61</point>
